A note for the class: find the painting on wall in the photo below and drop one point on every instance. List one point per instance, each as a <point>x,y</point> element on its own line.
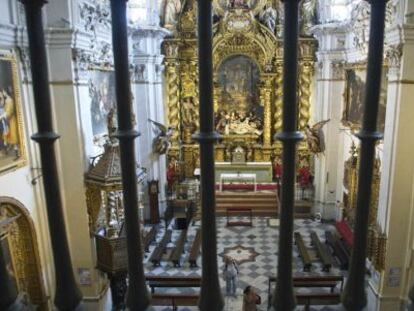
<point>103,99</point>
<point>12,151</point>
<point>355,95</point>
<point>239,110</point>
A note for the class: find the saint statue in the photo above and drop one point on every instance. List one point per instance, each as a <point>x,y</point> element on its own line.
<point>171,13</point>
<point>268,17</point>
<point>308,16</point>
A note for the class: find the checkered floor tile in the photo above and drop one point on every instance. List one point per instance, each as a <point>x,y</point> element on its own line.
<point>263,238</point>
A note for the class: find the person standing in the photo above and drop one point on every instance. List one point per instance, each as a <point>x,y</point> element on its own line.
<point>230,273</point>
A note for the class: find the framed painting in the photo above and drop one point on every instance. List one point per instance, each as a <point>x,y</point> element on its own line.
<point>12,149</point>
<point>103,99</point>
<point>354,97</point>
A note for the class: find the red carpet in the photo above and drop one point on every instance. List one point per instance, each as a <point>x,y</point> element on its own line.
<point>345,231</point>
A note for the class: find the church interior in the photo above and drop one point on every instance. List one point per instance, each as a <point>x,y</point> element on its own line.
<point>148,160</point>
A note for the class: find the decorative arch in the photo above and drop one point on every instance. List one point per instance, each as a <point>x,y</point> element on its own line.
<point>23,251</point>
<point>252,39</point>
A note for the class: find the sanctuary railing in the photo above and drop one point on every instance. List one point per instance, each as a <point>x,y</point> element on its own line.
<point>67,294</point>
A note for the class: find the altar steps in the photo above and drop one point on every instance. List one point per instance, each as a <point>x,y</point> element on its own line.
<point>263,203</point>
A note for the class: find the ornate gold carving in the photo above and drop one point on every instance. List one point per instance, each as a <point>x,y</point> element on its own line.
<point>237,33</point>
<point>351,184</point>
<point>305,80</point>
<point>24,251</point>
<point>172,99</point>
<point>278,98</point>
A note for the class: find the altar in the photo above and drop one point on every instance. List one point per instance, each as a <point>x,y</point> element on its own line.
<point>238,178</point>
<point>262,171</point>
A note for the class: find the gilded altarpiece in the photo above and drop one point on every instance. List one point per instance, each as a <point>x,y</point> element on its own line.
<point>247,77</point>
<point>376,239</point>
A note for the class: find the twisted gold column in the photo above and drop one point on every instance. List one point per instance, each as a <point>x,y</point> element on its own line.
<point>306,74</point>
<point>172,98</point>
<point>277,125</point>
<point>267,126</point>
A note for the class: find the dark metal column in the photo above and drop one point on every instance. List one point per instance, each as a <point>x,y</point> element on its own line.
<point>138,298</point>
<point>284,297</point>
<point>68,295</point>
<point>210,296</point>
<point>354,296</point>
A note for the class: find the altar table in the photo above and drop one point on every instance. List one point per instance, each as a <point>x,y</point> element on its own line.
<point>262,170</point>
<point>239,178</point>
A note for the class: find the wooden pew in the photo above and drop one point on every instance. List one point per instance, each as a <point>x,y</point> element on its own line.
<point>338,249</point>
<point>174,300</point>
<point>160,249</point>
<point>308,299</point>
<point>179,249</point>
<point>172,281</point>
<point>195,250</point>
<point>324,255</point>
<point>317,281</point>
<point>303,252</point>
<point>149,238</point>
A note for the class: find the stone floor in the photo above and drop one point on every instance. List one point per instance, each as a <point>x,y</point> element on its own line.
<point>255,247</point>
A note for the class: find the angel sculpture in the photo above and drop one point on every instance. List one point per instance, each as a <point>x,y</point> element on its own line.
<point>315,137</point>
<point>161,142</point>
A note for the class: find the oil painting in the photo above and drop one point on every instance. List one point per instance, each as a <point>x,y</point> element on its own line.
<point>103,99</point>
<point>239,110</point>
<point>12,151</point>
<point>355,96</point>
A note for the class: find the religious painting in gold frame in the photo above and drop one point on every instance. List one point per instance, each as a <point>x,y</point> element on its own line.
<point>354,97</point>
<point>12,147</point>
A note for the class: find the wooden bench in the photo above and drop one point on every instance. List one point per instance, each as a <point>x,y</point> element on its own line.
<point>338,249</point>
<point>317,299</point>
<point>303,252</point>
<point>160,249</point>
<point>324,255</point>
<point>195,250</point>
<point>172,281</point>
<point>149,238</point>
<point>179,249</point>
<point>239,212</point>
<point>320,281</point>
<point>174,300</point>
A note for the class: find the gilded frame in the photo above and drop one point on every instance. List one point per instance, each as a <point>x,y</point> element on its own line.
<point>6,163</point>
<point>354,98</point>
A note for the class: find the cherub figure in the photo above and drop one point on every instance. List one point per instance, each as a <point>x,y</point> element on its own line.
<point>161,142</point>
<point>315,137</point>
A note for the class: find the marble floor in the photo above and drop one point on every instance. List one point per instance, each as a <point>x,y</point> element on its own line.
<point>255,247</point>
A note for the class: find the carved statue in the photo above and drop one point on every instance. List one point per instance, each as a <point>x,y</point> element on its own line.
<point>188,112</point>
<point>315,137</point>
<point>161,142</point>
<point>308,14</point>
<point>268,17</point>
<point>171,13</point>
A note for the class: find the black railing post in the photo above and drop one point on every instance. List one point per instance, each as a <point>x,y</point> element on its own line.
<point>138,298</point>
<point>284,297</point>
<point>210,295</point>
<point>354,296</point>
<point>67,295</point>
